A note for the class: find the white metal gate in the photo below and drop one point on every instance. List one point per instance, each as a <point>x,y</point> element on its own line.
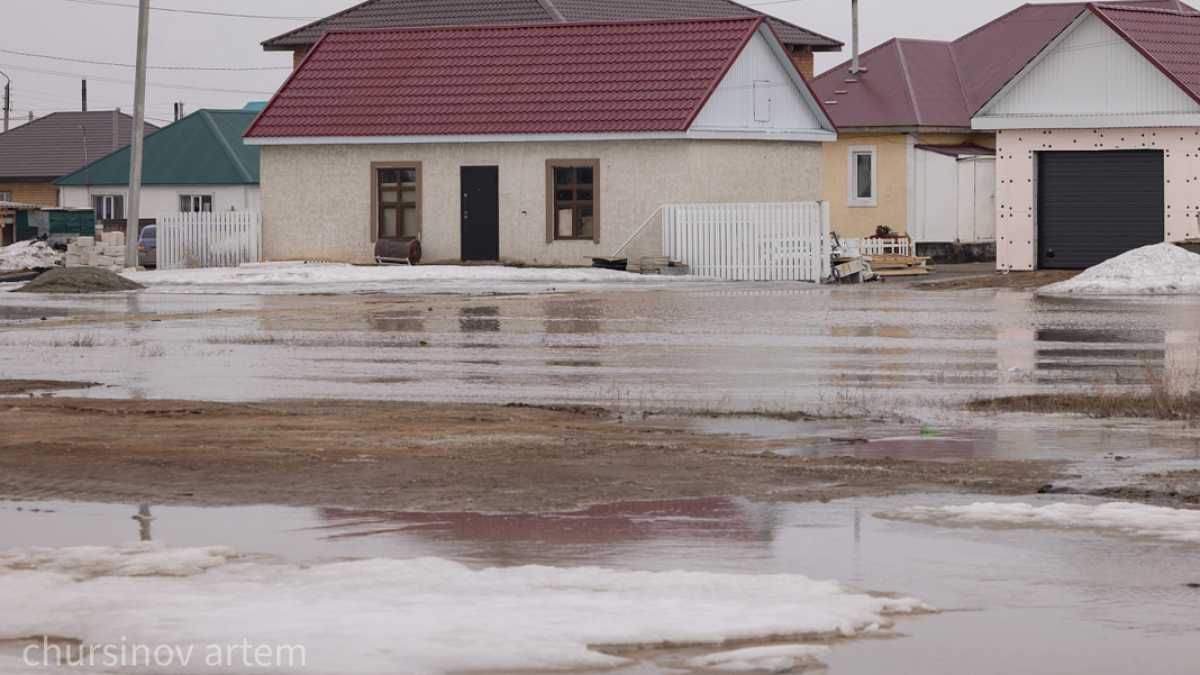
<point>226,239</point>
<point>750,242</point>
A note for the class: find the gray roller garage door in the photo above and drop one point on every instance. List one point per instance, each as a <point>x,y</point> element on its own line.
<point>1093,206</point>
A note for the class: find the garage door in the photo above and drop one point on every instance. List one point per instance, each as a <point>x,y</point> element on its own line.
<point>1093,206</point>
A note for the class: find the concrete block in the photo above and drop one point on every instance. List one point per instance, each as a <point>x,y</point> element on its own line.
<point>92,260</point>
<point>72,249</point>
<point>101,248</point>
<point>105,261</point>
<point>86,241</point>
<point>74,260</point>
<point>115,251</point>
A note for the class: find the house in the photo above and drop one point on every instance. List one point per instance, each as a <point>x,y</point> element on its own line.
<point>34,155</point>
<point>196,164</point>
<point>571,138</point>
<point>1098,140</point>
<point>800,43</point>
<point>908,157</point>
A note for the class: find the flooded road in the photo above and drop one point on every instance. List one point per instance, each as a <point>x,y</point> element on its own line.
<point>768,347</point>
<point>1012,600</point>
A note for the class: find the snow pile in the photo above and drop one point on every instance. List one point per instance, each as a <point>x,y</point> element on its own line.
<point>381,277</point>
<point>775,659</point>
<point>27,255</point>
<point>414,617</point>
<point>1136,520</point>
<point>1158,269</point>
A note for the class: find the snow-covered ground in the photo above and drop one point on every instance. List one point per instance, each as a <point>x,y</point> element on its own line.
<point>25,255</point>
<point>309,277</point>
<point>1137,520</point>
<point>406,617</point>
<point>1158,269</point>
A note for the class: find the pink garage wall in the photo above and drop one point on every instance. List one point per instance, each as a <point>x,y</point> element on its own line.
<point>1016,219</point>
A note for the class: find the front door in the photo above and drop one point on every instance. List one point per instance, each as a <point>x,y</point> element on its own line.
<point>481,213</point>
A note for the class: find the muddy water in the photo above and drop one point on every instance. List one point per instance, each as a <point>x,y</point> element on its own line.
<point>769,347</point>
<point>1014,601</point>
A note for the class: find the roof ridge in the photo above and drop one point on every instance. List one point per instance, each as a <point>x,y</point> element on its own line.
<point>225,146</point>
<point>912,95</point>
<point>313,23</point>
<point>847,62</point>
<point>544,26</point>
<point>1121,7</point>
<point>548,5</point>
<point>961,73</point>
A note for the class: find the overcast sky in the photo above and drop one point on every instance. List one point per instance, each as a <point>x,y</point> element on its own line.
<point>105,31</point>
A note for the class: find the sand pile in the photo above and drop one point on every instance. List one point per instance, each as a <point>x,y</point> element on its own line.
<point>1158,269</point>
<point>79,280</point>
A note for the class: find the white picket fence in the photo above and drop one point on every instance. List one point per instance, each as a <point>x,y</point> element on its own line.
<point>225,239</point>
<point>878,246</point>
<point>750,242</point>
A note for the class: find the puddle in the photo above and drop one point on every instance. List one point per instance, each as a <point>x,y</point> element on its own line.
<point>1014,600</point>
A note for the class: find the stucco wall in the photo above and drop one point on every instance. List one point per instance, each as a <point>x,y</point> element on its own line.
<point>1016,221</point>
<point>892,202</point>
<point>165,198</point>
<point>317,199</point>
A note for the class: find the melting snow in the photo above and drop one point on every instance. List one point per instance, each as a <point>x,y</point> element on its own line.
<point>1130,519</point>
<point>27,255</point>
<point>1158,269</point>
<point>414,617</point>
<point>775,659</point>
<point>382,277</point>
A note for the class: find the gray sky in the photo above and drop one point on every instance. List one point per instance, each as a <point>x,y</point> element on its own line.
<point>96,30</point>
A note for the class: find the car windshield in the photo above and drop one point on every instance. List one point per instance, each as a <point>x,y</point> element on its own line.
<point>149,232</point>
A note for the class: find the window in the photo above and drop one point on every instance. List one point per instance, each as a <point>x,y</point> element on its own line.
<point>862,180</point>
<point>397,201</point>
<point>573,200</point>
<point>195,204</point>
<point>5,196</point>
<point>109,207</point>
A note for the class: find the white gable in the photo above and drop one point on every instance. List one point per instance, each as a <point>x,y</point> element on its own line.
<point>762,95</point>
<point>1089,78</point>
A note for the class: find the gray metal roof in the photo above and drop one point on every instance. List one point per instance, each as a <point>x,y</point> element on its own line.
<point>19,206</point>
<point>429,13</point>
<point>53,146</point>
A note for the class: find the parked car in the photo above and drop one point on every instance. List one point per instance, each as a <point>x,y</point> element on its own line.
<point>148,247</point>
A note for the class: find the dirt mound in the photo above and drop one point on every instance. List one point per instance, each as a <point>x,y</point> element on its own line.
<point>79,280</point>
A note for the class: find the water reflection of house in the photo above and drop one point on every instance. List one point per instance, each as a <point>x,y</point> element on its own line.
<point>722,522</point>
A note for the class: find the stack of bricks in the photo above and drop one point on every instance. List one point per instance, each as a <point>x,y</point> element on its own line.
<point>108,253</point>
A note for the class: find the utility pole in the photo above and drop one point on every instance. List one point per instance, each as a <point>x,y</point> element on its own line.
<point>7,99</point>
<point>135,155</point>
<point>85,96</point>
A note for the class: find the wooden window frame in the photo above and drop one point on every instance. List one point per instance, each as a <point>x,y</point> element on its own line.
<point>376,207</point>
<point>552,212</point>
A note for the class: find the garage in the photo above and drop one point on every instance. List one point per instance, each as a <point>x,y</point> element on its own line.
<point>1095,205</point>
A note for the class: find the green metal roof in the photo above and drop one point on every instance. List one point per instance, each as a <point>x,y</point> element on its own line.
<point>204,148</point>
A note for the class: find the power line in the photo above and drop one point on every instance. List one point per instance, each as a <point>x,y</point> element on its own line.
<point>197,11</point>
<point>149,84</point>
<point>126,65</point>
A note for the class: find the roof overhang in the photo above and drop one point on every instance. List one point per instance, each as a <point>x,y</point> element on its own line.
<point>808,136</point>
<point>906,130</point>
<point>1085,121</point>
<point>17,206</point>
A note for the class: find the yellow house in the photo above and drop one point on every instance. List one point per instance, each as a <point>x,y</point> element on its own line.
<point>906,159</point>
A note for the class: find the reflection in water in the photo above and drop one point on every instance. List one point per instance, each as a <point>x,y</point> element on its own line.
<point>573,316</point>
<point>474,320</point>
<point>507,537</point>
<point>144,519</point>
<point>399,322</point>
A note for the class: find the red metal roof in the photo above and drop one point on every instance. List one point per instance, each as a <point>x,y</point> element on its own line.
<point>924,83</point>
<point>427,13</point>
<point>1168,39</point>
<point>546,78</point>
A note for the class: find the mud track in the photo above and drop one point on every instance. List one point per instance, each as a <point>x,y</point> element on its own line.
<point>390,455</point>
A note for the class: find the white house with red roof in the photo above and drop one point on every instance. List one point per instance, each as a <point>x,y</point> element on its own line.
<point>545,144</point>
<point>1098,140</point>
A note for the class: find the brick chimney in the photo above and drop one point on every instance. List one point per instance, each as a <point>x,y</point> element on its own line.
<point>803,58</point>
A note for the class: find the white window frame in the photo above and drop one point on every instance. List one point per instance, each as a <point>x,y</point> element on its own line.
<point>5,196</point>
<point>852,155</point>
<point>193,196</point>
<point>110,195</point>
